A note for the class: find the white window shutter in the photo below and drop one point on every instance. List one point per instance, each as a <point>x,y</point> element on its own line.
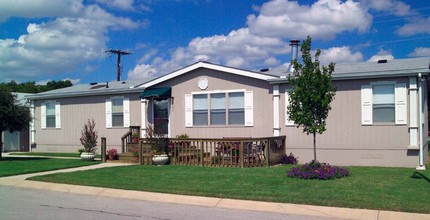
<point>57,115</point>
<point>287,103</point>
<point>249,108</point>
<point>188,110</point>
<point>126,111</point>
<point>400,104</point>
<point>366,105</point>
<point>108,113</point>
<point>43,115</point>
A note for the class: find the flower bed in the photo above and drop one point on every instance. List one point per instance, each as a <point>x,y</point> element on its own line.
<point>317,170</point>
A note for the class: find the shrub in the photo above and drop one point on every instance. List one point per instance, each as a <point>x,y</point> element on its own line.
<point>89,136</point>
<point>317,170</point>
<point>112,153</point>
<point>289,159</point>
<point>183,136</point>
<point>81,150</point>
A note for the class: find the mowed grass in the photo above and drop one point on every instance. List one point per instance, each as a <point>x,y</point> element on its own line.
<point>397,189</point>
<point>10,166</point>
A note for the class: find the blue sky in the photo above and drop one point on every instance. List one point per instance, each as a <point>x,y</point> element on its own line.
<point>43,40</point>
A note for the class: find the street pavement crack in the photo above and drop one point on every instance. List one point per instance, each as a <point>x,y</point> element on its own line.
<point>92,210</point>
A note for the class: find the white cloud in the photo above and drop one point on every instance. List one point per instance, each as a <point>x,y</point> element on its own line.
<point>340,55</point>
<point>415,26</point>
<point>381,55</point>
<point>59,45</point>
<point>120,4</point>
<point>323,19</point>
<point>261,43</point>
<point>142,72</point>
<point>39,8</point>
<point>394,7</point>
<point>420,52</point>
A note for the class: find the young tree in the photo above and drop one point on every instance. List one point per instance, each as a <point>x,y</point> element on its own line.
<point>311,94</point>
<point>13,117</point>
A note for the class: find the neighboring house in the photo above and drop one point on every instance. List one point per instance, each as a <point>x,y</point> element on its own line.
<point>18,140</point>
<point>378,117</point>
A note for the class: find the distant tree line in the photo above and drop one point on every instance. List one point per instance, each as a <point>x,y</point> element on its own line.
<point>32,87</point>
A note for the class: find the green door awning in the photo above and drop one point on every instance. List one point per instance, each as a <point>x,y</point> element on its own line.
<point>157,93</point>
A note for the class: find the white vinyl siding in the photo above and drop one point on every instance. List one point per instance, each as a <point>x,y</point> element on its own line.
<point>384,102</point>
<point>219,108</point>
<point>50,115</point>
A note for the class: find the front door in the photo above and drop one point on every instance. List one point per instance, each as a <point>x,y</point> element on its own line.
<point>161,116</point>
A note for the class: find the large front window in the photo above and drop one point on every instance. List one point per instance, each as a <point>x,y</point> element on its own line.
<point>383,103</point>
<point>117,112</point>
<point>225,108</point>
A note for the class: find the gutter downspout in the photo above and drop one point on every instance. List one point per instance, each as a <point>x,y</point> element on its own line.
<point>420,132</point>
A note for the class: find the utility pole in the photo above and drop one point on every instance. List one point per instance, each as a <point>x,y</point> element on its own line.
<point>119,53</point>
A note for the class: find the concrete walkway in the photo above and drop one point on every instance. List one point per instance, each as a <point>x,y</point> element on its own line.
<point>284,208</point>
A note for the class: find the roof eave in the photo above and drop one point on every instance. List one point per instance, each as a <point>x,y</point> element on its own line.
<point>83,93</point>
<point>369,75</point>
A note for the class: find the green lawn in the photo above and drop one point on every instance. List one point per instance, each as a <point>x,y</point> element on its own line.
<point>49,154</point>
<point>397,189</point>
<point>20,165</point>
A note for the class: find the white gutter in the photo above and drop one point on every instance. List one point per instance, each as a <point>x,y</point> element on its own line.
<point>420,131</point>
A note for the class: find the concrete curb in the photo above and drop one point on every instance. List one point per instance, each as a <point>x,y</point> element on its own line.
<point>283,208</point>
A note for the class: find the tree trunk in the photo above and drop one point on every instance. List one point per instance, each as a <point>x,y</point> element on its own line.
<point>315,146</point>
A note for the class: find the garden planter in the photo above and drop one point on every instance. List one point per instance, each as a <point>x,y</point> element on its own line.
<point>161,159</point>
<point>88,156</point>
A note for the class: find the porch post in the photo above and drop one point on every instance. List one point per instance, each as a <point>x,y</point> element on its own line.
<point>143,116</point>
<point>103,150</point>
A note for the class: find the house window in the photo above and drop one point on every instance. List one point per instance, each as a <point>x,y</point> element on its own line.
<point>50,114</point>
<point>214,109</point>
<point>218,109</point>
<point>236,108</point>
<point>117,112</point>
<point>200,109</point>
<point>383,103</point>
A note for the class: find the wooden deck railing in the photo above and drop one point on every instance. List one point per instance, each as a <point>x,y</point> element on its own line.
<point>128,137</point>
<point>227,152</point>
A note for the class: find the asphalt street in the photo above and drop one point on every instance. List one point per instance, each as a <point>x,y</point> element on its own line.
<point>24,203</point>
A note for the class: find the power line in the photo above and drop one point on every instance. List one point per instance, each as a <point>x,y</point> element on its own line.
<point>119,53</point>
